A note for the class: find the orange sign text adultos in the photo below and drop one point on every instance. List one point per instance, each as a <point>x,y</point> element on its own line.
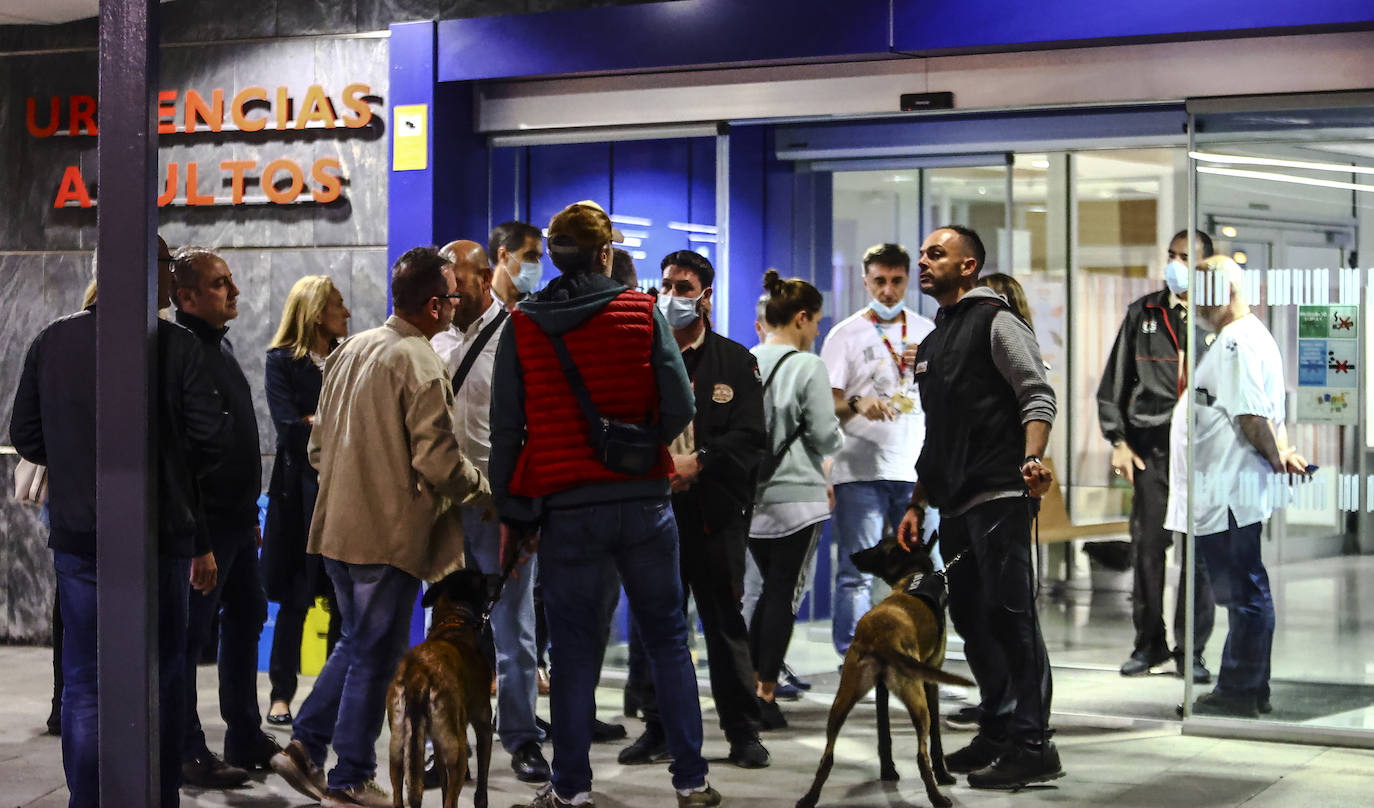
<point>251,109</point>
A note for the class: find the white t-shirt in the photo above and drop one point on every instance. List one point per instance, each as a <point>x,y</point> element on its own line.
<point>861,365</point>
<point>1241,374</point>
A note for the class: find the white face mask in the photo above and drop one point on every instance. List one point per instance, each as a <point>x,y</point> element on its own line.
<point>884,311</point>
<point>528,277</point>
<point>680,312</point>
<point>1176,276</point>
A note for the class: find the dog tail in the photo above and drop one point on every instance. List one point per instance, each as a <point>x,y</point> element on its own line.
<point>916,669</point>
<point>416,731</point>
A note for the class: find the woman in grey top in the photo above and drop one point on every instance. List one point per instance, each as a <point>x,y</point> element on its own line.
<point>791,503</point>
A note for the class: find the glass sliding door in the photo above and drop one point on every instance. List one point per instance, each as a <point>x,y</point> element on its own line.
<point>1286,189</point>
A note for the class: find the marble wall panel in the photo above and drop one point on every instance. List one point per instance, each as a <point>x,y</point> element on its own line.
<point>213,20</point>
<point>65,276</point>
<point>300,17</point>
<point>21,287</point>
<point>359,216</point>
<point>27,581</point>
<point>370,289</point>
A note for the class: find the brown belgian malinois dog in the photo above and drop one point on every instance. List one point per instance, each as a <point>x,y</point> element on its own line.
<point>442,687</point>
<point>899,646</point>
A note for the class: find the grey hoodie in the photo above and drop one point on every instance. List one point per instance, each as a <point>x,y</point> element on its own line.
<point>566,303</point>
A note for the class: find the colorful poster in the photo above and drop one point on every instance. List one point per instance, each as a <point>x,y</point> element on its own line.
<point>1328,353</point>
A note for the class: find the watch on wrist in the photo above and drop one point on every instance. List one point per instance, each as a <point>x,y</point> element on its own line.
<point>853,404</point>
<point>1031,458</point>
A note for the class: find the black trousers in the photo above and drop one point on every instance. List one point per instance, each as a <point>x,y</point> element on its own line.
<point>56,652</point>
<point>239,600</point>
<point>992,606</point>
<point>285,662</point>
<point>780,563</point>
<point>712,568</point>
<point>1150,541</point>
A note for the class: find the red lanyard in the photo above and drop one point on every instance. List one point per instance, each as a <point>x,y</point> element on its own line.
<point>896,357</point>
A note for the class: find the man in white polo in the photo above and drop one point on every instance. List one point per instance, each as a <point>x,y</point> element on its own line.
<point>869,358</point>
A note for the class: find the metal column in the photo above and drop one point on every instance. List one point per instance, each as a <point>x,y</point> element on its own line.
<point>126,522</point>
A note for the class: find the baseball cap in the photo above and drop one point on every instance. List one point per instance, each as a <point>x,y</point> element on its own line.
<point>582,225</point>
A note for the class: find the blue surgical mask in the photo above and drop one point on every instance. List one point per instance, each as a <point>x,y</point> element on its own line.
<point>1176,276</point>
<point>885,312</point>
<point>528,277</point>
<point>680,312</point>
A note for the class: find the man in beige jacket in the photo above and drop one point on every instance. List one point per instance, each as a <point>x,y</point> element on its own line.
<point>391,472</point>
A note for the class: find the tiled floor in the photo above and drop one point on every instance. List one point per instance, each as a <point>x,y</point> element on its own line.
<point>1153,766</point>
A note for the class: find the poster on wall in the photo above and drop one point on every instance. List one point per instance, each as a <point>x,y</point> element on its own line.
<point>1328,353</point>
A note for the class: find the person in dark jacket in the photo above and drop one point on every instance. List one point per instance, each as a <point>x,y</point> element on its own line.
<point>713,490</point>
<point>313,321</point>
<point>207,300</point>
<point>989,408</point>
<point>53,424</point>
<point>549,481</point>
<point>1135,402</point>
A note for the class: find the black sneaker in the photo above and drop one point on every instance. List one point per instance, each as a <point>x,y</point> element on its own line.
<point>770,715</point>
<point>1201,676</point>
<point>256,757</point>
<point>790,677</point>
<point>786,691</point>
<point>749,753</point>
<point>1263,705</point>
<point>603,732</point>
<point>964,718</point>
<point>649,747</point>
<point>1021,765</point>
<point>1215,703</point>
<point>55,720</point>
<point>208,770</point>
<point>1141,662</point>
<point>979,754</point>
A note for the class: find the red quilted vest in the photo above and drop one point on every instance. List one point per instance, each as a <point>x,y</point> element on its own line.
<point>613,351</point>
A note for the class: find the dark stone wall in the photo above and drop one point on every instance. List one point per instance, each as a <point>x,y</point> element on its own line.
<point>45,253</point>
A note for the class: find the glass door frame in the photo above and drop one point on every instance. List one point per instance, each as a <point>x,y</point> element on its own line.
<point>1246,728</point>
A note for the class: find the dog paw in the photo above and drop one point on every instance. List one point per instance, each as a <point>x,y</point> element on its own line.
<point>946,779</point>
<point>809,801</point>
<point>889,776</point>
<point>940,800</point>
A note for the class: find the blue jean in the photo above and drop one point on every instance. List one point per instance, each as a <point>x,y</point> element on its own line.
<point>1241,584</point>
<point>348,702</point>
<point>512,631</point>
<point>641,537</point>
<point>239,601</point>
<point>861,509</point>
<point>76,588</point>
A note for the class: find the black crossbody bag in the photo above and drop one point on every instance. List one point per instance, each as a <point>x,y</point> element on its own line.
<point>772,462</point>
<point>477,345</point>
<point>623,447</point>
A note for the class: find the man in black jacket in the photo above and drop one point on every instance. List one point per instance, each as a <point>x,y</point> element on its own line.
<point>207,300</point>
<point>53,424</point>
<point>989,408</point>
<point>715,459</point>
<point>1135,404</point>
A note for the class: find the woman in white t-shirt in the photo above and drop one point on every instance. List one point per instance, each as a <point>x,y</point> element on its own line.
<point>791,503</point>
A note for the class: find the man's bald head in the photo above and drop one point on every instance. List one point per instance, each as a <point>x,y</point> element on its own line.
<point>467,252</point>
<point>473,271</point>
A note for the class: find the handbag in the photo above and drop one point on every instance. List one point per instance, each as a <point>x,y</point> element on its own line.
<point>30,483</point>
<point>621,446</point>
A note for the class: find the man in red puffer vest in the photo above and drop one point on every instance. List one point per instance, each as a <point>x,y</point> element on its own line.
<point>548,481</point>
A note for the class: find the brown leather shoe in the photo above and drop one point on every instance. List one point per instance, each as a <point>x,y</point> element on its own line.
<point>543,676</point>
<point>294,765</point>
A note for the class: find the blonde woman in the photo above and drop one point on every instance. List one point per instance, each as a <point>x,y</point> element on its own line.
<point>313,322</point>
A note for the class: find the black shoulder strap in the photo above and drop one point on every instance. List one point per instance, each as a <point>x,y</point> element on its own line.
<point>579,387</point>
<point>774,371</point>
<point>478,344</point>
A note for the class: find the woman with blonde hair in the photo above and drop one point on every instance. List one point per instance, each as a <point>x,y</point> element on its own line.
<point>1009,288</point>
<point>313,323</point>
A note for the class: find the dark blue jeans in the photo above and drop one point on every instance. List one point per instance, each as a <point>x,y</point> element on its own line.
<point>239,600</point>
<point>1241,584</point>
<point>348,702</point>
<point>80,701</point>
<point>641,537</point>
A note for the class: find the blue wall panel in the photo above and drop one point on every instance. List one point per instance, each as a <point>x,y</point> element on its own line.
<point>507,176</point>
<point>649,181</point>
<point>749,147</point>
<point>920,26</point>
<point>410,194</point>
<point>560,175</point>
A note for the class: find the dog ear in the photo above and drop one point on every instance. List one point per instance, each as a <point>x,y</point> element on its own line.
<point>432,593</point>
